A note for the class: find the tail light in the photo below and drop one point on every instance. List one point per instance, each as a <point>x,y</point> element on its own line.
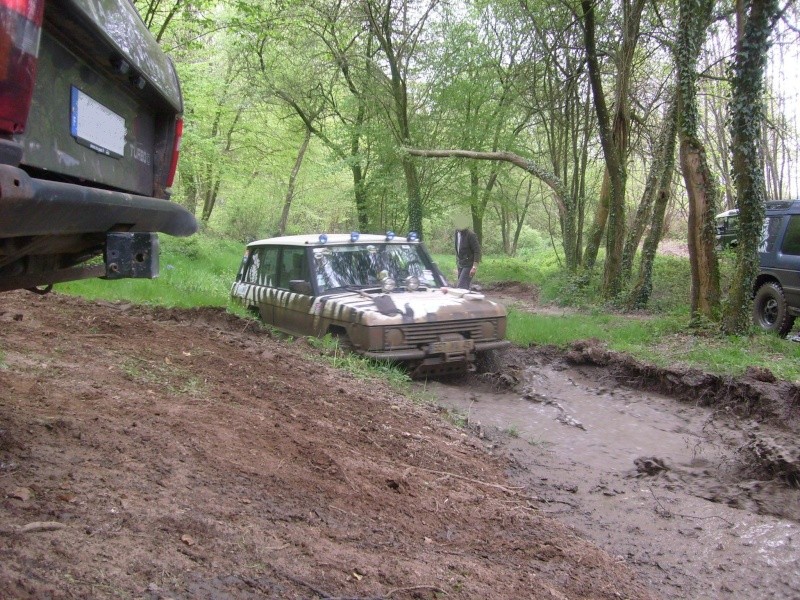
<point>176,150</point>
<point>20,33</point>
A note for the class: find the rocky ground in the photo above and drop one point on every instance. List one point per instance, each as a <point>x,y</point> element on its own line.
<point>155,453</point>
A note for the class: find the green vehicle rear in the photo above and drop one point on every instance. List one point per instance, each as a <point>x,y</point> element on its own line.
<point>90,126</point>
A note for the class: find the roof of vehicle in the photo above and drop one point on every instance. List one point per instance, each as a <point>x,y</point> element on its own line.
<point>774,205</point>
<point>334,239</point>
<point>784,205</point>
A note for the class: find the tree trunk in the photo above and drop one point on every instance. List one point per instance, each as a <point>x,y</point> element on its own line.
<point>287,203</point>
<point>382,26</point>
<point>598,227</point>
<point>664,158</point>
<point>211,195</point>
<point>695,18</point>
<point>613,136</point>
<point>359,183</point>
<point>640,294</point>
<point>747,112</point>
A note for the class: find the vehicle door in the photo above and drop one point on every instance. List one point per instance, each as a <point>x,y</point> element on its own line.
<point>294,295</point>
<point>788,262</point>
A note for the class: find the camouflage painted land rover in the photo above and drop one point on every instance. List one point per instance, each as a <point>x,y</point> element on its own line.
<point>90,123</point>
<point>381,295</point>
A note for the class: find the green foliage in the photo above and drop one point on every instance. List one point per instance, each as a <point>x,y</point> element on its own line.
<point>620,331</point>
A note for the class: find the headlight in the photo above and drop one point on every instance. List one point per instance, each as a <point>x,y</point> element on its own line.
<point>394,338</point>
<point>412,283</point>
<point>388,284</point>
<point>488,330</point>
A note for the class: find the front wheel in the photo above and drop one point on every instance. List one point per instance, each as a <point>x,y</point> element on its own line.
<point>770,311</point>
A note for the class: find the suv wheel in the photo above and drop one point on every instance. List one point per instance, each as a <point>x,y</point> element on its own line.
<point>769,310</point>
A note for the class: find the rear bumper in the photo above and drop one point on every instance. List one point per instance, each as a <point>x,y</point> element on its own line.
<point>37,207</point>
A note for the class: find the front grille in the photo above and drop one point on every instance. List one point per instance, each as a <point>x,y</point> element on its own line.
<point>420,334</point>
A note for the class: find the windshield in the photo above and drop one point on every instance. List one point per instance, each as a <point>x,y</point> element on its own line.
<point>362,265</point>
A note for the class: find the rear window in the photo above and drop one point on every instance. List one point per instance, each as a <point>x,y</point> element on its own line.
<point>791,241</point>
<point>772,226</point>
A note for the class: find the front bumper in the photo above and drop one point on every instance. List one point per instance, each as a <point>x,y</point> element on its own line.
<point>409,355</point>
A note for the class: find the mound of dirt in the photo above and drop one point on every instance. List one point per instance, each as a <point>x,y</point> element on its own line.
<point>162,453</point>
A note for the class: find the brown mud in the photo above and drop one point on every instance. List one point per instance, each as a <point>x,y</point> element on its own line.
<point>164,453</point>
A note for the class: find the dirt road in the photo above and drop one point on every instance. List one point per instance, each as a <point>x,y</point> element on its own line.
<point>153,453</point>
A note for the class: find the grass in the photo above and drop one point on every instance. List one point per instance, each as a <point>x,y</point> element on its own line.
<point>359,366</point>
<point>198,271</point>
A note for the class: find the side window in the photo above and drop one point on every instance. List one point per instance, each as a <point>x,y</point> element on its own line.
<point>769,236</point>
<point>251,274</point>
<point>791,241</point>
<point>294,265</point>
<point>262,267</point>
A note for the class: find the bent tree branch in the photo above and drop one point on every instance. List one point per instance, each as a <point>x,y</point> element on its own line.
<point>554,183</point>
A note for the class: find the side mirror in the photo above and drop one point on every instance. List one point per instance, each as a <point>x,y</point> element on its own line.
<point>300,286</point>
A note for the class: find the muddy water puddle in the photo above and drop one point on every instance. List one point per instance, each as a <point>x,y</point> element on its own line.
<point>652,480</point>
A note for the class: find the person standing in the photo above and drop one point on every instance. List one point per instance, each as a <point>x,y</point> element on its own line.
<point>468,252</point>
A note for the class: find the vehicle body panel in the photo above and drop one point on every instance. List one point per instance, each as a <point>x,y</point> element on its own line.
<point>77,55</point>
<point>779,253</point>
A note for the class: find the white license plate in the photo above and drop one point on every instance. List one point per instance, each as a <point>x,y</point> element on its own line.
<point>96,126</point>
<point>452,347</point>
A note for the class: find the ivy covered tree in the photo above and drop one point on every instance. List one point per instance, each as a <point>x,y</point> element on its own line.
<point>695,18</point>
<point>756,19</point>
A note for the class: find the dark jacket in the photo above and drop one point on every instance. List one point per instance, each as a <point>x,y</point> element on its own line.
<point>470,251</point>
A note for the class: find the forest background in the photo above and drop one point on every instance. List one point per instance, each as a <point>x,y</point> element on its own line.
<point>592,129</point>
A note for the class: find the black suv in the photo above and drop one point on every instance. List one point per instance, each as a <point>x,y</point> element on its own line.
<point>777,287</point>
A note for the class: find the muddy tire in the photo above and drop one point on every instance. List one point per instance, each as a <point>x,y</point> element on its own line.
<point>487,361</point>
<point>770,312</point>
<point>343,341</point>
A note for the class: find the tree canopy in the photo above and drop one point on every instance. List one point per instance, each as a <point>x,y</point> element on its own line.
<point>598,125</point>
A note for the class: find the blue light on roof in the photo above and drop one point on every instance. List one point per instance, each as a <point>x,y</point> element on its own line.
<point>323,239</point>
<point>413,236</point>
<point>354,236</point>
<point>389,236</point>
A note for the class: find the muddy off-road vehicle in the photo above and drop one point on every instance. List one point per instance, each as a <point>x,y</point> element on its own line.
<point>382,296</point>
<point>90,125</point>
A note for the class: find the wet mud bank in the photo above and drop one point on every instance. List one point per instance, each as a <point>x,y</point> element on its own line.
<point>689,477</point>
<point>755,400</point>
